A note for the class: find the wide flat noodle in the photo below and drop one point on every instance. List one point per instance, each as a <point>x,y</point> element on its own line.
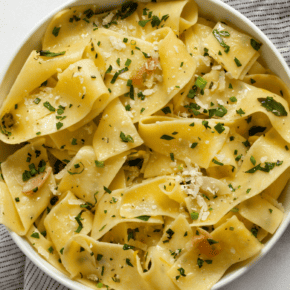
<point>172,54</point>
<point>178,15</point>
<point>79,23</point>
<point>108,215</point>
<point>9,215</point>
<point>194,41</point>
<point>148,199</point>
<point>156,276</point>
<point>119,182</point>
<point>108,265</point>
<point>270,83</point>
<point>42,68</point>
<point>74,141</point>
<point>249,101</point>
<point>257,231</point>
<point>276,188</point>
<point>66,104</point>
<point>212,202</point>
<point>257,68</point>
<point>139,236</point>
<point>262,213</point>
<point>160,164</point>
<point>246,185</point>
<point>241,55</point>
<point>45,248</point>
<point>31,205</point>
<point>111,46</point>
<point>93,177</point>
<point>116,133</point>
<point>66,219</point>
<point>182,138</point>
<point>177,237</point>
<point>237,245</point>
<point>231,156</point>
<point>174,244</point>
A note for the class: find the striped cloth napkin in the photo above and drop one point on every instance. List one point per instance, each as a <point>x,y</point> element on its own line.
<point>17,272</point>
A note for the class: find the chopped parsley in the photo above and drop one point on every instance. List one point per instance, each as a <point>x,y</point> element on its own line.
<point>35,235</point>
<point>200,82</point>
<point>219,112</point>
<point>49,106</point>
<point>256,45</point>
<point>235,209</point>
<point>194,215</point>
<point>118,73</point>
<point>200,262</point>
<point>219,38</point>
<point>182,272</point>
<point>238,63</point>
<point>107,190</point>
<point>55,31</point>
<point>217,162</point>
<point>240,112</point>
<point>143,217</point>
<point>109,70</point>
<point>219,128</point>
<point>128,247</point>
<point>125,138</point>
<point>128,262</point>
<point>205,124</point>
<point>167,137</point>
<point>58,125</point>
<point>77,166</point>
<point>50,249</point>
<point>79,219</point>
<point>37,101</point>
<point>142,23</point>
<point>128,62</point>
<point>128,107</point>
<point>100,164</point>
<point>268,167</point>
<point>253,160</point>
<point>273,106</point>
<point>47,53</point>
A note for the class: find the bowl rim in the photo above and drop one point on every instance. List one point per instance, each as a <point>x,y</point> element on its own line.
<point>50,270</point>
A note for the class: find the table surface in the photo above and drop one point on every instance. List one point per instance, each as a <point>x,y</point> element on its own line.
<point>17,18</point>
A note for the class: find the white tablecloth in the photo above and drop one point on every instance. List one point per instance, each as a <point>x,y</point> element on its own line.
<point>17,17</point>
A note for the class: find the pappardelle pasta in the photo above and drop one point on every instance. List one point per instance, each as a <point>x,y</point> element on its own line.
<point>153,147</point>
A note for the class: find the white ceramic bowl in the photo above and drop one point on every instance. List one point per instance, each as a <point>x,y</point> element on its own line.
<point>212,9</point>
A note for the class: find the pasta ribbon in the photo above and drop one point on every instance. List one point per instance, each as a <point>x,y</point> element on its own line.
<point>21,209</point>
<point>201,272</point>
<point>67,219</point>
<point>195,139</point>
<point>234,50</point>
<point>94,175</point>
